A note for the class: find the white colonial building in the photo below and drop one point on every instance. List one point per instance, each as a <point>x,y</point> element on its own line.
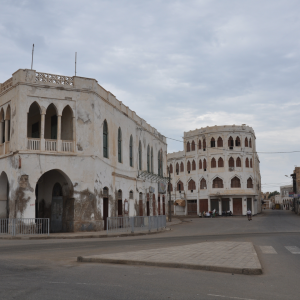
<point>71,152</point>
<point>218,169</point>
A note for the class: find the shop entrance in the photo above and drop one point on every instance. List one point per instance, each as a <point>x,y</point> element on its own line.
<point>237,206</point>
<point>192,207</point>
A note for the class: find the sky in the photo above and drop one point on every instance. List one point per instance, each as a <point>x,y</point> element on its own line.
<point>180,65</point>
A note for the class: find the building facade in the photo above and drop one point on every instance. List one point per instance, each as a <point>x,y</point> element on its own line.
<point>284,199</point>
<point>70,151</point>
<point>217,169</point>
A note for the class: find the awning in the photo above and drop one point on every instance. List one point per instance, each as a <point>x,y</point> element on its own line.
<point>180,202</point>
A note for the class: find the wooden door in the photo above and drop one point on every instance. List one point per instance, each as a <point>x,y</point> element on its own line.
<point>225,205</point>
<point>105,212</point>
<point>203,204</point>
<point>120,208</point>
<point>154,205</point>
<point>237,206</point>
<point>56,214</point>
<point>158,205</point>
<point>192,207</point>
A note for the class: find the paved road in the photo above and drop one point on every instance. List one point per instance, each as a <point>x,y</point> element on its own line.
<point>48,269</point>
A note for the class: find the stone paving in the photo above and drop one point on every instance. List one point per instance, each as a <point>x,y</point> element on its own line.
<point>231,257</point>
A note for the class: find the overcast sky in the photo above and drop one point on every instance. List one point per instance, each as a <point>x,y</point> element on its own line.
<point>180,65</point>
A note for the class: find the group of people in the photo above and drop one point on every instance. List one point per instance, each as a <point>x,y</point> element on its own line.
<point>214,213</point>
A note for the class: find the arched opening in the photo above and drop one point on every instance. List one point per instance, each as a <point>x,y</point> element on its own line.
<point>188,167</point>
<point>235,182</point>
<point>220,142</point>
<point>217,183</point>
<point>140,155</point>
<point>237,142</point>
<point>34,121</point>
<point>200,164</point>
<point>213,163</point>
<point>141,210</point>
<point>202,184</point>
<point>204,145</point>
<point>51,123</point>
<point>199,144</point>
<point>193,146</point>
<point>247,162</point>
<point>246,142</point>
<point>193,165</point>
<point>250,143</point>
<point>180,186</point>
<point>151,159</point>
<point>220,163</point>
<point>230,142</point>
<point>249,183</point>
<point>4,196</point>
<point>251,163</point>
<point>238,163</point>
<point>204,164</point>
<point>188,147</point>
<point>171,168</point>
<point>120,204</point>
<point>54,200</point>
<point>160,163</point>
<point>67,124</point>
<point>119,145</point>
<point>191,185</point>
<point>212,143</point>
<point>170,187</point>
<point>2,129</point>
<point>177,168</point>
<point>181,167</point>
<point>105,139</point>
<point>7,123</point>
<point>231,162</point>
<point>148,158</point>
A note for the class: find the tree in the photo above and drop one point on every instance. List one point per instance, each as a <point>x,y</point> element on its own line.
<point>273,194</point>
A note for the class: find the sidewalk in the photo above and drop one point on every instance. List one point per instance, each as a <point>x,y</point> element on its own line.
<point>229,257</point>
<point>85,235</point>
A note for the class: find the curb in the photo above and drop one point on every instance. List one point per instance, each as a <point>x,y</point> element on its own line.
<point>244,271</point>
<point>41,237</point>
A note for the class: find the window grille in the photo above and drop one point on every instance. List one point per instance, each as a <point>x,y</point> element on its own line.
<point>204,164</point>
<point>213,163</point>
<point>247,162</point>
<point>220,142</point>
<point>188,147</point>
<point>202,184</point>
<point>246,142</point>
<point>179,186</point>
<point>131,195</point>
<point>220,163</point>
<point>193,146</point>
<point>249,183</point>
<point>230,142</point>
<point>238,162</point>
<point>193,165</point>
<point>181,167</point>
<point>237,142</point>
<point>231,162</point>
<point>212,143</point>
<point>192,185</point>
<point>217,183</point>
<point>200,164</point>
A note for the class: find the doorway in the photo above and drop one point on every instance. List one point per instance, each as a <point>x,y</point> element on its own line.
<point>56,209</point>
<point>237,206</point>
<point>249,204</point>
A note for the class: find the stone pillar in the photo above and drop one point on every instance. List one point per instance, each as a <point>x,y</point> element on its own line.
<point>6,131</point>
<point>1,136</point>
<point>231,204</point>
<point>59,142</point>
<point>74,133</point>
<point>42,132</point>
<point>209,206</point>
<point>220,207</point>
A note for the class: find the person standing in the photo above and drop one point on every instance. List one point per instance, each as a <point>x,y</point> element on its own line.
<point>249,214</point>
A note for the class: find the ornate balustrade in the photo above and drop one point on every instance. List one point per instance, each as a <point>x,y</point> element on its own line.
<point>67,146</point>
<point>6,85</point>
<point>55,79</point>
<point>50,145</point>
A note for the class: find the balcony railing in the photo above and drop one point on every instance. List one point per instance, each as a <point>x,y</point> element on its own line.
<point>6,85</point>
<point>34,144</point>
<point>50,145</point>
<point>67,146</point>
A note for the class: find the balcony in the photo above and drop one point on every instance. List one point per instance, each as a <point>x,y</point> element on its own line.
<point>49,145</point>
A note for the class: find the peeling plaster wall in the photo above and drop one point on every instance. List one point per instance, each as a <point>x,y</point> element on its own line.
<point>85,170</point>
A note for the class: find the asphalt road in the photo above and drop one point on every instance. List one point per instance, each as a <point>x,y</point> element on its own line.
<point>47,269</point>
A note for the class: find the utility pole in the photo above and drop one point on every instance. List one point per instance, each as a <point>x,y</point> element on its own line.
<point>169,189</point>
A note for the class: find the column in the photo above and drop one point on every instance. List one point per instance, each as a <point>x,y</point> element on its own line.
<point>6,137</point>
<point>74,134</point>
<point>231,204</point>
<point>42,146</point>
<point>59,142</point>
<point>220,207</point>
<point>209,206</point>
<point>1,137</point>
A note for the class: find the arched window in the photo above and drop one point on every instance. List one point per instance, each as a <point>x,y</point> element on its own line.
<point>170,187</point>
<point>131,195</point>
<point>151,159</point>
<point>140,155</point>
<point>171,168</point>
<point>148,159</point>
<point>193,146</point>
<point>220,163</point>
<point>177,168</point>
<point>33,121</point>
<point>105,139</point>
<point>200,164</point>
<point>220,142</point>
<point>204,164</point>
<point>181,167</point>
<point>237,142</point>
<point>51,122</point>
<point>231,162</point>
<point>238,162</point>
<point>2,128</point>
<point>230,142</point>
<point>212,143</point>
<point>199,144</point>
<point>235,182</point>
<point>204,144</point>
<point>246,142</point>
<point>213,163</point>
<point>251,163</point>
<point>188,167</point>
<point>67,124</point>
<point>188,147</point>
<point>250,143</point>
<point>193,165</point>
<point>247,162</point>
<point>191,185</point>
<point>131,151</point>
<point>180,186</point>
<point>119,145</point>
<point>160,163</point>
<point>203,184</point>
<point>249,183</point>
<point>217,183</point>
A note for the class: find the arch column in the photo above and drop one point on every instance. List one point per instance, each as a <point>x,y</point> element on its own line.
<point>43,131</point>
<point>74,133</point>
<point>59,143</point>
<point>231,204</point>
<point>1,137</point>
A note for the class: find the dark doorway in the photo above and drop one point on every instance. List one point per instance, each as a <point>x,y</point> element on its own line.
<point>237,206</point>
<point>164,206</point>
<point>35,130</point>
<point>214,204</point>
<point>192,207</point>
<point>249,204</point>
<point>148,209</point>
<point>120,208</point>
<point>105,212</point>
<point>203,203</point>
<point>54,127</point>
<point>158,205</point>
<point>141,208</point>
<point>154,205</point>
<point>225,205</point>
<point>56,209</point>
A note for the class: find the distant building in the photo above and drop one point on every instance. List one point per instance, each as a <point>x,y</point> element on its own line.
<point>217,169</point>
<point>283,198</point>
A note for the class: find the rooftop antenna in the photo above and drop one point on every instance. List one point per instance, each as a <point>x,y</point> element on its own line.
<point>32,56</point>
<point>75,62</point>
